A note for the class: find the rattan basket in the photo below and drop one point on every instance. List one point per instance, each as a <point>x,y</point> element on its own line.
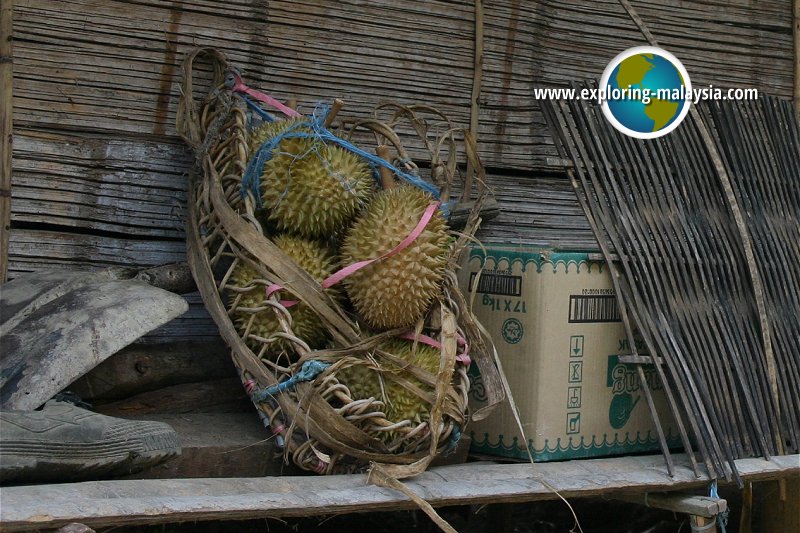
<point>308,410</point>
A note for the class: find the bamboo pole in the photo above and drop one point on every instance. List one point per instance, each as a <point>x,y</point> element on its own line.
<point>337,106</point>
<point>387,178</point>
<point>475,104</point>
<point>796,26</point>
<point>6,109</point>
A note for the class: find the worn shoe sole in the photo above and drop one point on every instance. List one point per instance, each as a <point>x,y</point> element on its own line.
<point>33,452</point>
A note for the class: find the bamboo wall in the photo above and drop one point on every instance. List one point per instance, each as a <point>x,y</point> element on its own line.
<point>99,172</point>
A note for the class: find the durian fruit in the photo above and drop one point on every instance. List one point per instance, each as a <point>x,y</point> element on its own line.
<point>312,257</point>
<point>266,131</point>
<point>395,292</point>
<point>309,187</point>
<point>400,403</point>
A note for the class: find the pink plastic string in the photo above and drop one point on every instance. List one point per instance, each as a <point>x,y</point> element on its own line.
<point>462,357</point>
<point>338,276</point>
<point>240,87</point>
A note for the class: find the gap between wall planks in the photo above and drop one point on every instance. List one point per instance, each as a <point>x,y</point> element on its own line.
<point>6,128</point>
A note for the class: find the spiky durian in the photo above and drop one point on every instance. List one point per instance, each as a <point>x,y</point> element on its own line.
<point>364,381</point>
<point>395,292</point>
<point>266,131</point>
<point>310,187</point>
<point>311,257</point>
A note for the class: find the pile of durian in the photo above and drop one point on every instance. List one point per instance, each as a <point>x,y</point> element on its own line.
<point>323,206</point>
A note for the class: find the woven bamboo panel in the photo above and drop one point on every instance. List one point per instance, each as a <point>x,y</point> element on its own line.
<point>95,94</point>
<point>685,276</point>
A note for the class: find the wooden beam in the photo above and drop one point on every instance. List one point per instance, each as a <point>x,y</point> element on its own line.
<point>701,523</point>
<point>145,367</point>
<point>746,516</point>
<point>224,395</point>
<point>6,128</point>
<point>136,502</point>
<point>219,445</point>
<point>460,215</point>
<point>690,504</point>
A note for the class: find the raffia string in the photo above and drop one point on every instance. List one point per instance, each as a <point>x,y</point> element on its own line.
<point>316,123</point>
<point>338,276</point>
<point>320,423</point>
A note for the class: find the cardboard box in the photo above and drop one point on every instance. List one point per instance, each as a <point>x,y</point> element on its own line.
<point>555,321</point>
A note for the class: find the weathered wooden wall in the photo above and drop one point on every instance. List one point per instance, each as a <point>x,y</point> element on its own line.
<point>99,173</point>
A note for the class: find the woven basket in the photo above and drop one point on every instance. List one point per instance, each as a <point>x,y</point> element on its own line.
<point>308,410</point>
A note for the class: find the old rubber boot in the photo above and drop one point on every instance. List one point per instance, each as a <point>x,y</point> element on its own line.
<point>63,442</point>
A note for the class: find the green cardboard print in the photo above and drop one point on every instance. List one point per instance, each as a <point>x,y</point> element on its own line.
<point>512,331</point>
<point>623,381</point>
<point>621,409</point>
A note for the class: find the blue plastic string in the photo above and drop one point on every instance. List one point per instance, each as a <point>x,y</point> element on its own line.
<point>722,518</point>
<point>255,167</point>
<point>252,174</point>
<point>455,437</point>
<point>309,370</point>
<point>446,207</point>
<point>257,109</point>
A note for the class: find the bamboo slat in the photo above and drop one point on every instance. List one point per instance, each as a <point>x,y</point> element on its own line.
<point>417,51</point>
<point>796,32</point>
<point>710,293</point>
<point>6,79</point>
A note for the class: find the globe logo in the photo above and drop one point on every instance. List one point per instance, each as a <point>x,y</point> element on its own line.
<point>647,92</point>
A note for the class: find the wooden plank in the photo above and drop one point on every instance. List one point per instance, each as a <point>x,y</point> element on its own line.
<point>537,211</point>
<point>704,506</point>
<point>534,210</point>
<point>6,128</point>
<point>219,445</point>
<point>117,503</point>
<point>34,249</point>
<point>141,368</point>
<point>100,183</point>
<point>195,325</point>
<point>224,395</point>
